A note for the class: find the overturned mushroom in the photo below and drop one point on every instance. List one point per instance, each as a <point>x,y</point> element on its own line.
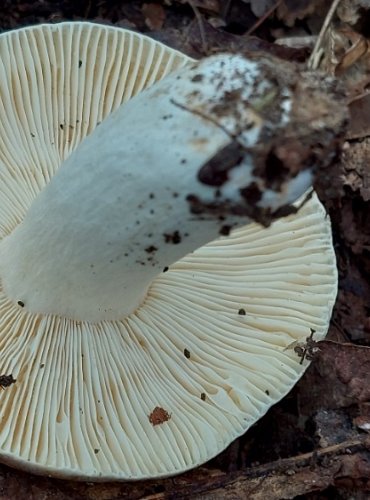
<point>120,305</point>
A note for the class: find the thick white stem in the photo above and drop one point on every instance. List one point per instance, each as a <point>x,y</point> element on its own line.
<point>120,210</point>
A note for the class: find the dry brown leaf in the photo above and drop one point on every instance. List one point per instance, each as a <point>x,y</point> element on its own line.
<point>220,41</point>
<point>355,238</point>
<point>359,126</point>
<point>355,161</point>
<point>345,53</point>
<point>338,378</point>
<point>154,14</point>
<point>333,427</point>
<point>349,11</point>
<point>291,10</point>
<point>352,367</point>
<point>362,422</point>
<point>209,6</point>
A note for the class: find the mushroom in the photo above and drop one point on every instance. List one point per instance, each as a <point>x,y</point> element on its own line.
<point>141,338</point>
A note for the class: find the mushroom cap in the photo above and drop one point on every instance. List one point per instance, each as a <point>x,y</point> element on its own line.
<point>211,348</point>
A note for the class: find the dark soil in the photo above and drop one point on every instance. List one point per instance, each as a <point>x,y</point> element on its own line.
<point>314,443</point>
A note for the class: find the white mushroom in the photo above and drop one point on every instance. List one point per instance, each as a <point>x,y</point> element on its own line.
<point>124,370</point>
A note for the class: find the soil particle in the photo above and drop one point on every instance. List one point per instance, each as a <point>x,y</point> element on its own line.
<point>6,381</point>
<point>158,416</point>
<point>225,230</point>
<point>216,171</point>
<point>252,193</point>
<point>151,249</point>
<point>174,238</point>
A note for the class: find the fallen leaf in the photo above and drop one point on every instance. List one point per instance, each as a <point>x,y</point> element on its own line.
<point>359,125</point>
<point>220,41</point>
<point>356,170</point>
<point>333,427</point>
<point>350,11</point>
<point>337,378</point>
<point>154,14</point>
<point>291,10</point>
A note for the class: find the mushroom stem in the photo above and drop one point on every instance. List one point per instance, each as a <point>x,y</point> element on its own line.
<point>169,171</point>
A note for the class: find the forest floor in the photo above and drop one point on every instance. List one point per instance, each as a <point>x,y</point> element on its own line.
<point>314,444</point>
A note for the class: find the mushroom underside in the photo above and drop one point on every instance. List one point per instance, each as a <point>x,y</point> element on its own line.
<point>212,346</point>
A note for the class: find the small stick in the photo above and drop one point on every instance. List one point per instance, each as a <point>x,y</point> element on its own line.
<point>314,58</point>
<point>227,7</point>
<point>200,24</point>
<point>262,19</point>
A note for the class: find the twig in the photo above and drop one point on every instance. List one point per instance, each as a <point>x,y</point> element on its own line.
<point>262,19</point>
<point>199,18</point>
<point>197,112</point>
<point>226,8</point>
<point>345,336</point>
<point>312,457</point>
<point>314,59</point>
<point>304,473</point>
<point>88,9</point>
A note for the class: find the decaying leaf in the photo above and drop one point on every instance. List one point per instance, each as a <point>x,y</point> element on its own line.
<point>333,427</point>
<point>291,10</point>
<point>343,48</point>
<point>355,157</point>
<point>338,378</point>
<point>207,6</point>
<point>359,126</point>
<point>349,11</point>
<point>154,14</point>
